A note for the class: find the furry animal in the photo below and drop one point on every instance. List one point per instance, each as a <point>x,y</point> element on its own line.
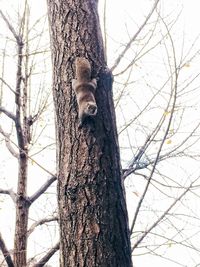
<point>84,88</point>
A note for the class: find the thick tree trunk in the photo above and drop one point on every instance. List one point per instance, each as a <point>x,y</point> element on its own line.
<point>93,216</point>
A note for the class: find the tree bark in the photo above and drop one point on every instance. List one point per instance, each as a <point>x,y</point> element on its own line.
<point>92,209</point>
<point>22,205</point>
<point>22,211</point>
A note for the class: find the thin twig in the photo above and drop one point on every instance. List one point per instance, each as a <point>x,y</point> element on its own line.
<point>161,217</point>
<point>165,135</point>
<point>32,160</point>
<point>3,81</point>
<point>10,27</point>
<point>41,222</point>
<point>134,37</point>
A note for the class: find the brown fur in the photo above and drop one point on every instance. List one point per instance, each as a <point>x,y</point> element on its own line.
<point>84,88</point>
<point>83,69</point>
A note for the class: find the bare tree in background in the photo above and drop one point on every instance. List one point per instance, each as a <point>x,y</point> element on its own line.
<point>160,137</point>
<point>23,119</point>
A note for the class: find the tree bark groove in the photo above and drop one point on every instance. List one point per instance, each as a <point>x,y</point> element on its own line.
<point>93,216</point>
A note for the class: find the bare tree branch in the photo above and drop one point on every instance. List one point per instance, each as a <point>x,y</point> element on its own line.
<point>42,189</point>
<point>132,168</point>
<point>9,192</point>
<point>49,254</point>
<point>5,252</point>
<point>32,160</point>
<point>8,143</point>
<point>174,92</point>
<point>41,222</point>
<point>8,113</point>
<point>3,81</point>
<point>10,27</point>
<point>161,217</point>
<point>134,37</point>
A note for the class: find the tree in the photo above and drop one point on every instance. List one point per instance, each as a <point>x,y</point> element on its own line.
<point>157,82</point>
<point>156,98</point>
<point>92,209</point>
<point>24,121</point>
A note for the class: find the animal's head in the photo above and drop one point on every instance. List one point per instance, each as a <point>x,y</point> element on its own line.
<point>91,109</point>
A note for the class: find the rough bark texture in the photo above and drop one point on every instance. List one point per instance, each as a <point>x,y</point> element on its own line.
<point>93,216</point>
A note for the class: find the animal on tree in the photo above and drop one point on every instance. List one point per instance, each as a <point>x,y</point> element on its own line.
<point>84,88</point>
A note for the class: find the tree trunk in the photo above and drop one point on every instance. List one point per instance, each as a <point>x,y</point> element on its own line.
<point>22,211</point>
<point>93,216</point>
<point>22,204</point>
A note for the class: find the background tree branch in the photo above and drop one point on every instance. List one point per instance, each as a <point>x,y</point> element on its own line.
<point>8,113</point>
<point>134,37</point>
<point>5,252</point>
<point>8,143</point>
<point>49,254</point>
<point>42,189</point>
<point>41,222</point>
<point>9,192</point>
<point>161,218</point>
